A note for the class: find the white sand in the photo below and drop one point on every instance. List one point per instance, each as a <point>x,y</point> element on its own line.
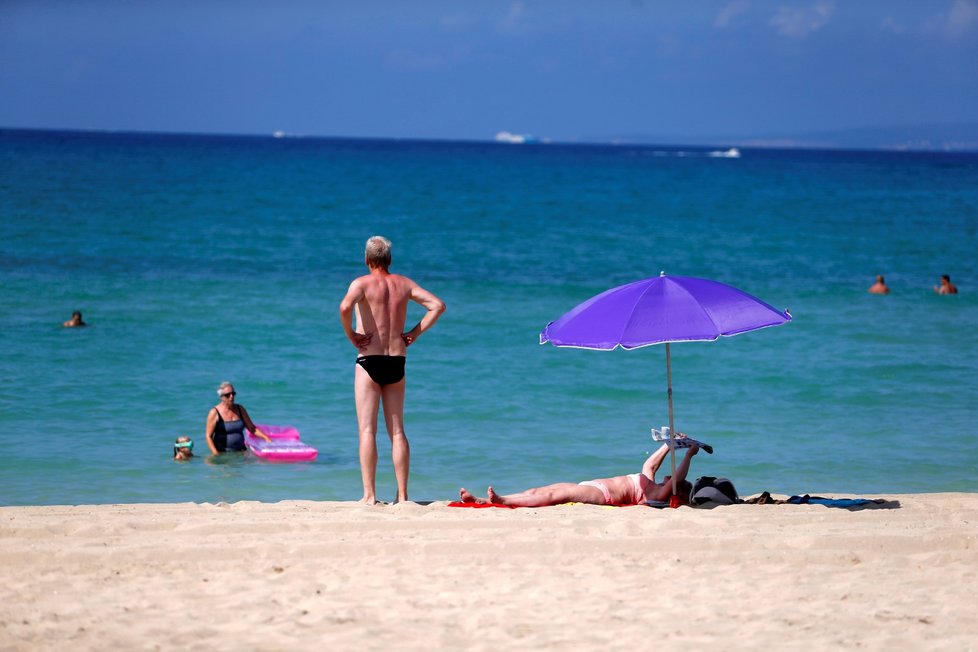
<point>312,576</point>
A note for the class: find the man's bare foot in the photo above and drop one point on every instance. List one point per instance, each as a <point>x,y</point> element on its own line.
<point>368,500</point>
<point>493,496</point>
<point>466,497</point>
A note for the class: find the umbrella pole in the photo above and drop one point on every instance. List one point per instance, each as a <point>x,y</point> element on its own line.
<point>672,429</point>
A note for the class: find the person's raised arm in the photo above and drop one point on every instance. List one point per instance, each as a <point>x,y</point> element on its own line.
<point>251,425</point>
<point>209,426</point>
<point>353,296</point>
<point>435,307</point>
<point>681,471</point>
<point>654,462</point>
<point>683,467</point>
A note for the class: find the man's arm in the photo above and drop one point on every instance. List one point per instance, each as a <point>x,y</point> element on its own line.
<point>353,296</point>
<point>435,307</point>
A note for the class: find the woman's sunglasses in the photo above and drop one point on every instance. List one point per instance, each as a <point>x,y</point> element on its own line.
<point>229,394</point>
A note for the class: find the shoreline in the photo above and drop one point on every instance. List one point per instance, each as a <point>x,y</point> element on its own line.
<point>297,574</point>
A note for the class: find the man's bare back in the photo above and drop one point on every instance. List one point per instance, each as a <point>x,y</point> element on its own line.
<point>381,312</point>
<point>379,300</point>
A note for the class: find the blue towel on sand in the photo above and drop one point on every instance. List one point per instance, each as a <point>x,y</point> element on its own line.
<point>831,502</point>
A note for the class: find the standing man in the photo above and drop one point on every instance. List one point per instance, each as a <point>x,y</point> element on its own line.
<point>380,301</point>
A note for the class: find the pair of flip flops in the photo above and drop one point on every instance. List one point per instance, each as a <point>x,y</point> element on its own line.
<point>679,441</point>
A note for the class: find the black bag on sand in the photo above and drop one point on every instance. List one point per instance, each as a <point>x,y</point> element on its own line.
<point>709,492</point>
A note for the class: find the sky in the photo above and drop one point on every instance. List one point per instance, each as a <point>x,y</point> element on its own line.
<point>564,70</point>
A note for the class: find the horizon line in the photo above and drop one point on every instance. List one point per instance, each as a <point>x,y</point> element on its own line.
<point>721,143</point>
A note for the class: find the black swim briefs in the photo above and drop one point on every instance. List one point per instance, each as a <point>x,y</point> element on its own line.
<point>383,369</point>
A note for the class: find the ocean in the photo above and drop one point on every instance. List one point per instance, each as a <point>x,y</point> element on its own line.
<point>197,259</point>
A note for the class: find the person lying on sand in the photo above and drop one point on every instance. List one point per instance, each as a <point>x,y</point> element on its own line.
<point>634,489</point>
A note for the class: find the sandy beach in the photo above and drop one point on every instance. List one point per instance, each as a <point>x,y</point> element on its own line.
<point>301,575</point>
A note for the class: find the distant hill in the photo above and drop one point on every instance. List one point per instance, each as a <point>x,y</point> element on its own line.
<point>934,137</point>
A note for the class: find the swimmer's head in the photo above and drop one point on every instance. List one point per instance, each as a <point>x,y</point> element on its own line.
<point>377,253</point>
<point>76,319</point>
<point>183,448</point>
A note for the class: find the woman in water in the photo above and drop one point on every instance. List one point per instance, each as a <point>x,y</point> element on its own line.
<point>226,423</point>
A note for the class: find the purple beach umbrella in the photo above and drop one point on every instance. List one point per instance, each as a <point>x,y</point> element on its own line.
<point>662,309</point>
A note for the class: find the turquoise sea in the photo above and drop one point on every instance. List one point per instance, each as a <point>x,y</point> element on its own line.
<point>202,258</point>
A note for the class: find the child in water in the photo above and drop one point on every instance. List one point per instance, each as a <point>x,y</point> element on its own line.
<point>183,449</point>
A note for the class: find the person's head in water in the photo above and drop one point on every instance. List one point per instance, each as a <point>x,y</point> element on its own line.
<point>946,287</point>
<point>76,320</point>
<point>879,287</point>
<point>377,253</point>
<point>183,449</point>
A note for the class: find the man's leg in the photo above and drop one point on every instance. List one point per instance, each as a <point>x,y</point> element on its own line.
<point>367,394</point>
<point>393,398</point>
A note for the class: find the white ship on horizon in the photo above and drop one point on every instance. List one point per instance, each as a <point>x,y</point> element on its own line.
<point>733,152</point>
<point>514,139</point>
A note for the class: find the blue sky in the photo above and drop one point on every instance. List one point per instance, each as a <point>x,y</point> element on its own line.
<point>563,70</point>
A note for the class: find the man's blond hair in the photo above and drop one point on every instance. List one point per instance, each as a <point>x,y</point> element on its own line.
<point>378,252</point>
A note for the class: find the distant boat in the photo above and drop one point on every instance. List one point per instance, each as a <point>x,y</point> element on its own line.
<point>279,134</point>
<point>514,139</point>
<point>733,152</point>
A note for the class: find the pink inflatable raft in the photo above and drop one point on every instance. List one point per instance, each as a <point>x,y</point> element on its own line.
<point>284,447</point>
